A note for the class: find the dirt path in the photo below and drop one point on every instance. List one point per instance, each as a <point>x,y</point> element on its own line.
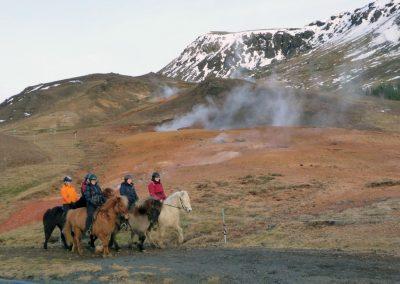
<point>216,265</point>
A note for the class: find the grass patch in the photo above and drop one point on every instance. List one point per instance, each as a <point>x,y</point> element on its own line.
<point>262,179</point>
<point>382,183</point>
<point>15,190</point>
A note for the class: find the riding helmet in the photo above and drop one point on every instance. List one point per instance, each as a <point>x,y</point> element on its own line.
<point>154,176</point>
<point>92,177</point>
<point>67,179</point>
<point>129,176</point>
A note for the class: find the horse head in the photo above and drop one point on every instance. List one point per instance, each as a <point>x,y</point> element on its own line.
<point>185,201</point>
<point>109,192</point>
<point>121,205</point>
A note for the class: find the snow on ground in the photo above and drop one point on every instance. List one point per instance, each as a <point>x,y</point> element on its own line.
<point>394,78</point>
<point>27,114</point>
<point>2,120</point>
<point>76,81</point>
<point>48,87</point>
<point>35,89</point>
<point>364,55</point>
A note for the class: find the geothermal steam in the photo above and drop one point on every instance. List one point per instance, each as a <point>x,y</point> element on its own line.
<point>246,106</point>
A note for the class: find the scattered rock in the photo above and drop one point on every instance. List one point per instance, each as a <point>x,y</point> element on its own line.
<point>320,223</point>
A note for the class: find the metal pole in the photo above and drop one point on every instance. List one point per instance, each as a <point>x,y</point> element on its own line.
<point>224,225</point>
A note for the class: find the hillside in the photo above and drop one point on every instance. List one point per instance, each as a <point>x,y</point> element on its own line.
<point>86,100</point>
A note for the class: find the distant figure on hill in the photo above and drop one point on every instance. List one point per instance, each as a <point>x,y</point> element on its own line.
<point>155,187</point>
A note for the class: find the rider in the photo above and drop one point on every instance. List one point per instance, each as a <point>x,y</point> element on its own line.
<point>82,200</point>
<point>84,183</point>
<point>94,199</point>
<point>155,187</point>
<point>68,193</point>
<point>128,189</point>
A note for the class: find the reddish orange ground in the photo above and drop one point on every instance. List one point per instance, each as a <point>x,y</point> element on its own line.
<point>27,213</point>
<point>287,177</point>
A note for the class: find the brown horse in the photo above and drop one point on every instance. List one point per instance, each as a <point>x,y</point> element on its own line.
<point>104,223</point>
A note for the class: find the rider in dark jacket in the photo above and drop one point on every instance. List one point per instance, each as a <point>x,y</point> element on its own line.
<point>82,200</point>
<point>128,189</point>
<point>94,199</point>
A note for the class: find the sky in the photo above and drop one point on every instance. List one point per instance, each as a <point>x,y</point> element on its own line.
<point>46,40</point>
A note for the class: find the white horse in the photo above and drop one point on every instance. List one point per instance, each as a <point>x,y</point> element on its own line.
<point>169,216</point>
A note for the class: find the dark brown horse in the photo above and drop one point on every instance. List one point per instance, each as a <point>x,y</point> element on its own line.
<point>142,218</point>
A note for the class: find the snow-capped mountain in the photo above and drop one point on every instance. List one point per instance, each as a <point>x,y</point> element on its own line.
<point>249,53</point>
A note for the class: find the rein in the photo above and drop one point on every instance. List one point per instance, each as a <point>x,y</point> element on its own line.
<point>180,208</point>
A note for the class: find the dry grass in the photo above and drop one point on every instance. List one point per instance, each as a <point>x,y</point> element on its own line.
<point>42,268</point>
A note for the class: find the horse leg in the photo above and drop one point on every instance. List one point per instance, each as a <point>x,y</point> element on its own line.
<point>92,239</point>
<point>77,240</point>
<point>105,241</point>
<point>74,243</point>
<point>149,237</point>
<point>113,241</point>
<point>63,237</point>
<point>131,243</point>
<point>180,234</point>
<point>161,236</point>
<point>142,238</point>
<point>48,229</point>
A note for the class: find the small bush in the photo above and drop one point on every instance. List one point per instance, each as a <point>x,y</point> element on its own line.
<point>386,91</point>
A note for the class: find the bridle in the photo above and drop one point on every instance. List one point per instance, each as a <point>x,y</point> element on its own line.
<point>183,207</point>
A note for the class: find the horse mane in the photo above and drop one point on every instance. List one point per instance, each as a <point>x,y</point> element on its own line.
<point>109,192</point>
<point>174,195</point>
<point>147,205</point>
<point>110,203</point>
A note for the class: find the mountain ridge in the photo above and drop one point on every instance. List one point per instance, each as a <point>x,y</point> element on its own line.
<point>242,54</point>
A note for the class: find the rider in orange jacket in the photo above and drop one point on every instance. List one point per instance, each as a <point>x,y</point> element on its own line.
<point>68,192</point>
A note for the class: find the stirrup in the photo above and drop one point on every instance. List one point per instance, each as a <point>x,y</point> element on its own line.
<point>124,226</point>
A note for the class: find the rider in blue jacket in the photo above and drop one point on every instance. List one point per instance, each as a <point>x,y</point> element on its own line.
<point>94,199</point>
<point>128,189</point>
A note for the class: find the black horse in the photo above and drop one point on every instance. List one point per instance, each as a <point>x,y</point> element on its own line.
<point>52,218</point>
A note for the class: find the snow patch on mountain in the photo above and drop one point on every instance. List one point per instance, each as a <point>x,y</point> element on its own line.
<point>243,54</point>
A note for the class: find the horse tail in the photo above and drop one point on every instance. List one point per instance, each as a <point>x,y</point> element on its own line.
<point>68,230</point>
<point>46,215</point>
